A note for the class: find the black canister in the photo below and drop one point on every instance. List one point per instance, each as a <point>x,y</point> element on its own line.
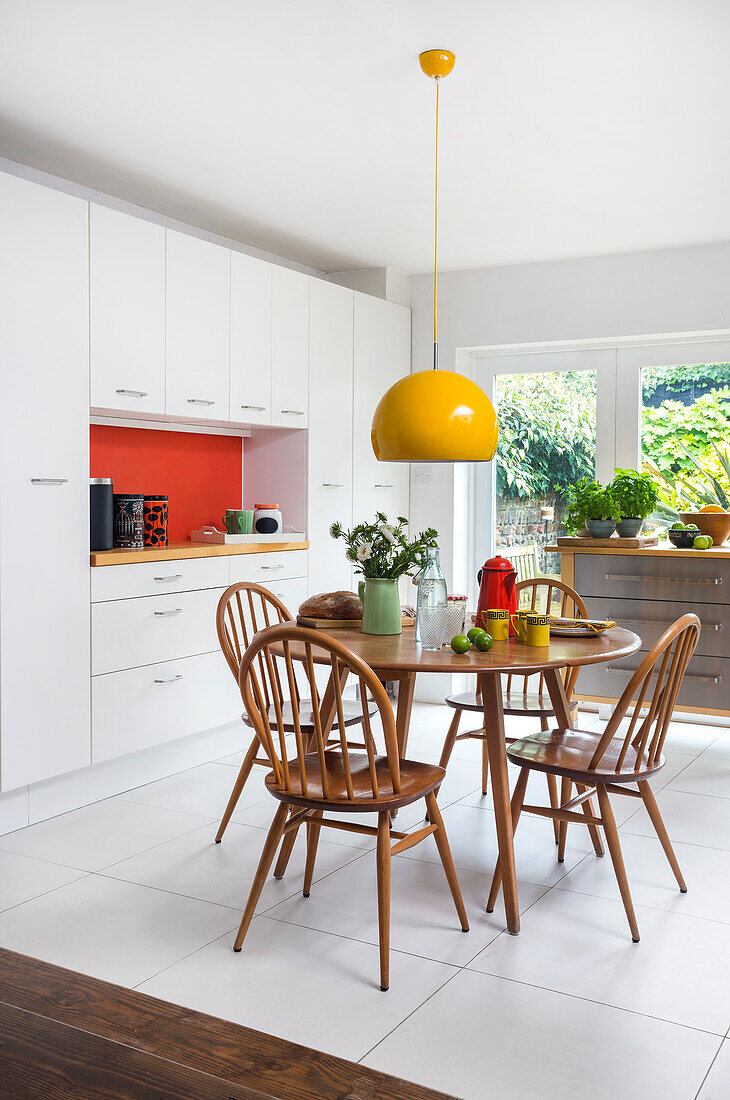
<point>129,521</point>
<point>101,513</point>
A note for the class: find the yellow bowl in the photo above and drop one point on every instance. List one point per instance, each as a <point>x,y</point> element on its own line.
<point>714,524</point>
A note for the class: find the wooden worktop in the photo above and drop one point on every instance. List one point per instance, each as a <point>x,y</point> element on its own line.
<point>176,550</point>
<point>665,551</point>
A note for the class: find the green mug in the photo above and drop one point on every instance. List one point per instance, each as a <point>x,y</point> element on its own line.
<point>238,521</point>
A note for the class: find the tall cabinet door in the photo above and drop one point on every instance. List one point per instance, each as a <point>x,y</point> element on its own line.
<point>330,433</point>
<point>197,322</point>
<point>44,483</point>
<point>250,340</point>
<point>127,321</point>
<point>382,356</point>
<point>289,347</point>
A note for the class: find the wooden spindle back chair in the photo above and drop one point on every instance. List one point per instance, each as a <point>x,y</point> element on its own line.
<point>613,762</point>
<point>327,774</point>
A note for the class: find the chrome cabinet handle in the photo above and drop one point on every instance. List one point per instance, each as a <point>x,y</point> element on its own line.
<point>171,577</point>
<point>332,485</point>
<point>382,485</point>
<point>269,567</point>
<point>133,393</point>
<point>292,412</point>
<point>255,408</point>
<point>656,622</point>
<point>172,611</point>
<point>169,680</point>
<point>687,675</point>
<point>49,481</point>
<point>672,580</point>
<point>199,401</point>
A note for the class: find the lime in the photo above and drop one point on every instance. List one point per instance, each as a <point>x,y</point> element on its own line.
<point>460,643</point>
<point>702,542</point>
<point>484,642</point>
<point>678,526</point>
<point>474,633</point>
<point>691,527</point>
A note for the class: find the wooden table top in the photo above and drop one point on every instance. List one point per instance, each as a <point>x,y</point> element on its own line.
<point>401,653</point>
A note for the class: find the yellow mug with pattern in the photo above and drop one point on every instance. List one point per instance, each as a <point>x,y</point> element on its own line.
<point>537,629</point>
<point>519,623</point>
<point>497,623</point>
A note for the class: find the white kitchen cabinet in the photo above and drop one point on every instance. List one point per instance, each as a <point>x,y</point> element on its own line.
<point>382,355</point>
<point>250,340</point>
<point>44,483</point>
<point>292,593</point>
<point>197,328</point>
<point>330,432</point>
<point>127,318</point>
<point>289,348</point>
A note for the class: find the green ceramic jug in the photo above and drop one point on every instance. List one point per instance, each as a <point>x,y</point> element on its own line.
<point>380,605</point>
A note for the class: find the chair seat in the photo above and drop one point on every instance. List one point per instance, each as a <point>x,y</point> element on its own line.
<point>568,752</point>
<point>352,713</point>
<point>536,704</point>
<point>417,780</point>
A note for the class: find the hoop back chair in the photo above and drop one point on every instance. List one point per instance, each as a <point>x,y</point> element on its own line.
<point>327,775</point>
<point>244,609</point>
<point>614,762</point>
<point>522,695</point>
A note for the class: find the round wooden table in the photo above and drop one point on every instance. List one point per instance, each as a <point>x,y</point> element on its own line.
<point>399,657</point>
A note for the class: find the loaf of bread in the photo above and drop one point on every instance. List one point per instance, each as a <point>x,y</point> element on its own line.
<point>332,605</point>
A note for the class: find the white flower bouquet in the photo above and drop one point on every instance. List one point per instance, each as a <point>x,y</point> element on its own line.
<point>381,550</point>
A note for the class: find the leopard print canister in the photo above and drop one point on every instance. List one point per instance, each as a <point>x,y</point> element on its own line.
<point>155,521</point>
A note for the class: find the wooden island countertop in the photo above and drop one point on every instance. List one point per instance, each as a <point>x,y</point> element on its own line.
<point>661,551</point>
<point>177,550</point>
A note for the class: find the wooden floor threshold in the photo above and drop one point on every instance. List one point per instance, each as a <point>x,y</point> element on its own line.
<point>63,1034</point>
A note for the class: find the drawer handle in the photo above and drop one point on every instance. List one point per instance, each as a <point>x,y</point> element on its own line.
<point>49,480</point>
<point>382,485</point>
<point>173,611</point>
<point>673,580</point>
<point>169,680</point>
<point>270,567</point>
<point>199,401</point>
<point>293,412</point>
<point>255,408</point>
<point>171,577</point>
<point>656,622</point>
<point>332,485</point>
<point>133,393</point>
<point>687,675</point>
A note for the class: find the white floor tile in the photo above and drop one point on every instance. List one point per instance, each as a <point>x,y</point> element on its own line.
<point>423,916</point>
<point>689,819</point>
<point>103,833</point>
<point>194,865</point>
<point>706,872</point>
<point>578,944</point>
<point>717,1085</point>
<point>22,878</point>
<point>204,790</point>
<point>482,1037</point>
<point>707,774</point>
<point>112,930</point>
<point>686,737</point>
<point>302,985</point>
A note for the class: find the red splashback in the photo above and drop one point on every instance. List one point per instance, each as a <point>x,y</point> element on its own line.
<point>201,474</point>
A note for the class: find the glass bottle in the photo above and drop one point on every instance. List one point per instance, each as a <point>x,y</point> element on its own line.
<point>431,603</point>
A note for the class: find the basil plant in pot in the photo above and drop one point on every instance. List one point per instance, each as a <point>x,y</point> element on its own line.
<point>636,496</point>
<point>382,553</point>
<point>591,505</point>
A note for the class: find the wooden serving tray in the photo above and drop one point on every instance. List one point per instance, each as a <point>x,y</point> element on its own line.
<point>613,541</point>
<point>343,624</point>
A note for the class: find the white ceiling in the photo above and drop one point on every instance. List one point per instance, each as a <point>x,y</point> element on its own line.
<point>305,127</point>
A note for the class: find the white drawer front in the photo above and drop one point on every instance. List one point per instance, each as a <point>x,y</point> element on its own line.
<point>129,633</point>
<point>269,569</point>
<point>292,592</point>
<point>147,578</point>
<point>142,707</point>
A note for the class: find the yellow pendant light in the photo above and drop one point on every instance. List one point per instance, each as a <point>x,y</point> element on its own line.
<point>435,415</point>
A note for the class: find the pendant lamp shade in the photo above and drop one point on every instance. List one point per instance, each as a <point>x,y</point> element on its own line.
<point>435,415</point>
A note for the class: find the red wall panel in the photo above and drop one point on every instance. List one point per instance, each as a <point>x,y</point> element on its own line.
<point>201,474</point>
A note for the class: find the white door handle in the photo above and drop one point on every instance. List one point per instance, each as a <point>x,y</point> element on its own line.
<point>49,480</point>
<point>169,680</point>
<point>171,577</point>
<point>173,611</point>
<point>199,401</point>
<point>133,393</point>
<point>255,408</point>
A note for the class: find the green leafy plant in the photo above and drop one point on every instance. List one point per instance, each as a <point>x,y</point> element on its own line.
<point>588,499</point>
<point>382,550</point>
<point>635,495</point>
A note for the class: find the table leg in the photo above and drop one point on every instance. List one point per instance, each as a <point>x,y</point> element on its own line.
<point>491,689</point>
<point>406,688</point>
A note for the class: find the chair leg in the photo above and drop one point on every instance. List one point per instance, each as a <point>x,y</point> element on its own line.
<point>313,831</point>
<point>485,767</point>
<point>286,849</point>
<point>518,798</point>
<point>449,744</point>
<point>660,828</point>
<point>442,843</point>
<point>563,825</point>
<point>587,808</point>
<point>614,847</point>
<point>552,785</point>
<point>243,774</point>
<point>383,860</point>
<point>267,856</point>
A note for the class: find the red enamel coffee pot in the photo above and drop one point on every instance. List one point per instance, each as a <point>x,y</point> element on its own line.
<point>497,581</point>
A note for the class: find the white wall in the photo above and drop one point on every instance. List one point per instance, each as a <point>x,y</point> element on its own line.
<point>682,290</point>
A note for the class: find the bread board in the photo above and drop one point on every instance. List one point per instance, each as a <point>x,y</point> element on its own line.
<point>615,541</point>
<point>343,624</point>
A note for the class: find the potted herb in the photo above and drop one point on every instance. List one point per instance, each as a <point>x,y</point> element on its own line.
<point>636,496</point>
<point>382,552</point>
<point>593,506</point>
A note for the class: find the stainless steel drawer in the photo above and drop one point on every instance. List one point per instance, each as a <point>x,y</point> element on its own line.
<point>706,682</point>
<point>649,618</point>
<point>695,579</point>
